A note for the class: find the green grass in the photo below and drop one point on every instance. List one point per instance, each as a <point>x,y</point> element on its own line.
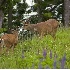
<point>32,55</point>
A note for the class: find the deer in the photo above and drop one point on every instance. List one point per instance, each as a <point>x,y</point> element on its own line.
<point>9,40</point>
<point>43,28</point>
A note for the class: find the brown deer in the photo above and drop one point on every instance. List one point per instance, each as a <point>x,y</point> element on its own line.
<point>9,40</point>
<point>43,28</point>
<point>29,27</point>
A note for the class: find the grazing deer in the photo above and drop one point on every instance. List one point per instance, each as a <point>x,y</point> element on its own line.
<point>9,40</point>
<point>29,27</point>
<point>43,28</point>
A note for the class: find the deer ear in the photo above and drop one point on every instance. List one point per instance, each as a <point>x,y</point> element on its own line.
<point>27,22</point>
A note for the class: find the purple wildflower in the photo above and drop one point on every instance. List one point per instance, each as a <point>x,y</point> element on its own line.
<point>63,61</point>
<point>50,54</point>
<point>39,66</point>
<point>38,51</point>
<point>22,53</point>
<point>44,53</point>
<point>33,66</point>
<point>47,67</point>
<point>55,55</point>
<point>54,64</point>
<point>41,59</point>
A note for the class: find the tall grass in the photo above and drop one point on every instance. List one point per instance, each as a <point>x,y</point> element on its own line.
<point>40,53</point>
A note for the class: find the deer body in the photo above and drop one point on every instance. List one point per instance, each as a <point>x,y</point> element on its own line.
<point>9,40</point>
<point>43,28</point>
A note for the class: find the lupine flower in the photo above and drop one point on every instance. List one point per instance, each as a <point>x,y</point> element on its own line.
<point>50,54</point>
<point>33,66</point>
<point>39,66</point>
<point>47,67</point>
<point>38,51</point>
<point>22,53</point>
<point>54,64</point>
<point>63,61</point>
<point>41,59</point>
<point>44,53</point>
<point>55,55</point>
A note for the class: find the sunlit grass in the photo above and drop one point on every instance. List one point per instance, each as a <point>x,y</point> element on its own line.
<point>29,53</point>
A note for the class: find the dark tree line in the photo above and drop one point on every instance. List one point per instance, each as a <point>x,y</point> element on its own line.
<point>10,16</point>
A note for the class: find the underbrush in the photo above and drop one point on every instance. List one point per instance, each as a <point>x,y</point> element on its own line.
<point>42,53</point>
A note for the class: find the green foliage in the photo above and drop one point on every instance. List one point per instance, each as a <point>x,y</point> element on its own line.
<point>48,8</point>
<point>47,15</point>
<point>16,1</point>
<point>21,8</point>
<point>34,19</point>
<point>2,30</point>
<point>39,4</point>
<point>29,53</point>
<point>17,12</point>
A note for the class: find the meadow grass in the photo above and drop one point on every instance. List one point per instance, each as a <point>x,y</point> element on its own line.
<point>40,53</point>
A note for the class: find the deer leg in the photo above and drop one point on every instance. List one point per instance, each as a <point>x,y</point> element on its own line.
<point>53,35</point>
<point>13,46</point>
<point>7,48</point>
<point>43,34</point>
<point>1,49</point>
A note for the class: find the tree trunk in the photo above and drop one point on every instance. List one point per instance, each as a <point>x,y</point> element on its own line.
<point>2,5</point>
<point>10,18</point>
<point>39,10</point>
<point>66,13</point>
<point>1,18</point>
<point>63,15</point>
